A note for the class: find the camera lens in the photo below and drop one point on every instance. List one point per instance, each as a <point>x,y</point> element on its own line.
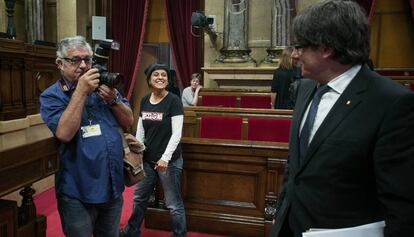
<point>110,79</point>
<point>101,56</point>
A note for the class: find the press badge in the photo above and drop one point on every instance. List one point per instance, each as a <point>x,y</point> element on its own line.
<point>91,130</point>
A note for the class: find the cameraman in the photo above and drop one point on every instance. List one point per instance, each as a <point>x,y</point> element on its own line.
<point>85,117</point>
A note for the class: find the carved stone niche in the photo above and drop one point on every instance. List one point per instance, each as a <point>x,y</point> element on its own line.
<point>243,77</point>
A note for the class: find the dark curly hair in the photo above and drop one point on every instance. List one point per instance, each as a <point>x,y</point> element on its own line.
<point>338,24</point>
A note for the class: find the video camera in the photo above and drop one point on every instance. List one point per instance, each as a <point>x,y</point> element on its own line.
<point>101,56</point>
<point>199,19</point>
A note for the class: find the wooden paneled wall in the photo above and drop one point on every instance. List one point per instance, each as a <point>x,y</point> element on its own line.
<point>25,71</point>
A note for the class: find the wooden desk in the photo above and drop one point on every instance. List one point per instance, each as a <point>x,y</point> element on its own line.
<point>229,187</point>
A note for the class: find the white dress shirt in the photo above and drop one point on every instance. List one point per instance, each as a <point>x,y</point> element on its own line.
<point>337,87</point>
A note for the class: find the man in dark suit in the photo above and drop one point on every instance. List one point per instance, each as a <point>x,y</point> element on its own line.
<point>351,158</point>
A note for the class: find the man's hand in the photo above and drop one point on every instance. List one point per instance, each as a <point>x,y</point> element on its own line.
<point>88,82</point>
<point>199,87</point>
<point>107,94</point>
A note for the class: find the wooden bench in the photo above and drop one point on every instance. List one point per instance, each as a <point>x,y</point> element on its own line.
<point>221,127</point>
<point>192,117</point>
<point>269,129</point>
<point>405,76</point>
<point>23,161</point>
<point>229,187</point>
<point>240,98</point>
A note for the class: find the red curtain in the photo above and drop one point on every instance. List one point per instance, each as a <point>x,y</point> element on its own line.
<point>128,27</point>
<point>186,49</point>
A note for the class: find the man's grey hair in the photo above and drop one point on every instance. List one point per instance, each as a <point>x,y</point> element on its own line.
<point>338,24</point>
<point>71,43</point>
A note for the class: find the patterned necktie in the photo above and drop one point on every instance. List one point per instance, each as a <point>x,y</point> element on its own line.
<point>310,119</point>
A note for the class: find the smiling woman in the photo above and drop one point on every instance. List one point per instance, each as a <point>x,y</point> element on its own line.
<point>155,66</point>
<point>157,79</point>
<point>159,127</point>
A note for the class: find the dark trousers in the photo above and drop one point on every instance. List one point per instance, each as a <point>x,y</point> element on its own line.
<point>285,231</point>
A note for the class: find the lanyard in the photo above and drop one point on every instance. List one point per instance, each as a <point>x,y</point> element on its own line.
<point>89,109</point>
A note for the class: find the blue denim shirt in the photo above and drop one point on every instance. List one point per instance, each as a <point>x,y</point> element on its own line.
<point>90,169</point>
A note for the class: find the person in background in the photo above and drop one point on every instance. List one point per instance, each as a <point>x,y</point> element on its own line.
<point>190,94</point>
<point>294,86</point>
<point>283,77</point>
<point>159,127</point>
<point>85,117</point>
<point>351,143</point>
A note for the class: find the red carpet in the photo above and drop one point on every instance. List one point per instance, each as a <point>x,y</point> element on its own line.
<point>46,205</point>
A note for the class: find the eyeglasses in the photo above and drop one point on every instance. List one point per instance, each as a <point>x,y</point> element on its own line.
<point>298,48</point>
<point>301,46</point>
<point>76,61</point>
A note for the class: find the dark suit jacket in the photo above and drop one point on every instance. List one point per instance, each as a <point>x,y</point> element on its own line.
<point>359,167</point>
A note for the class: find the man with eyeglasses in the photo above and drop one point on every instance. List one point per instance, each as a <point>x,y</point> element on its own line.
<point>351,149</point>
<point>85,117</point>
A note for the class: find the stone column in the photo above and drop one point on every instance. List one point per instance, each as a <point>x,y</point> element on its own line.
<point>3,17</point>
<point>66,18</point>
<point>34,20</point>
<point>235,49</point>
<point>283,12</point>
